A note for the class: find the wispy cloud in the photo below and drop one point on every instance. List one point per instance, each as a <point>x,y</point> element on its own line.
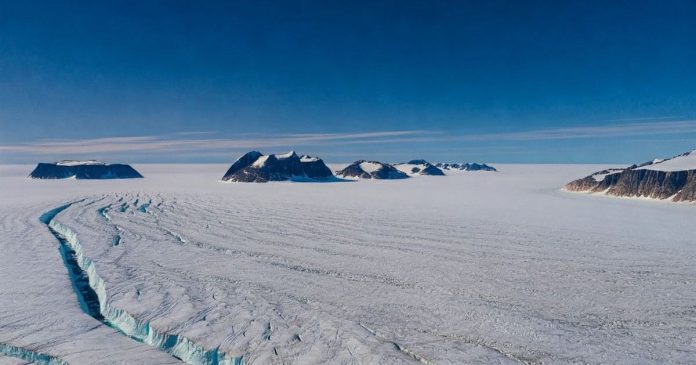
<point>204,141</point>
<point>605,131</point>
<point>667,117</point>
<point>188,142</point>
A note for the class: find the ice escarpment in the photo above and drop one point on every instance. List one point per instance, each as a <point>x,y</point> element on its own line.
<point>41,320</point>
<point>178,346</point>
<point>90,169</point>
<point>256,167</point>
<point>466,166</point>
<point>419,167</point>
<point>362,169</point>
<point>673,179</point>
<point>29,355</point>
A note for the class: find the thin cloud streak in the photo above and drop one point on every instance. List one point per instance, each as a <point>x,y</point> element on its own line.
<point>646,118</point>
<point>607,131</point>
<point>180,143</point>
<point>164,144</point>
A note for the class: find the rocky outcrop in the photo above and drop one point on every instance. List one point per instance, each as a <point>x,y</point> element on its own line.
<point>83,170</point>
<point>419,167</point>
<point>362,169</point>
<point>256,167</point>
<point>467,166</point>
<point>673,179</point>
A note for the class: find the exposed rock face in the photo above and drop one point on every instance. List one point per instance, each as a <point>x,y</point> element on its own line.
<point>83,170</point>
<point>362,169</point>
<point>256,167</point>
<point>658,179</point>
<point>419,167</point>
<point>467,166</point>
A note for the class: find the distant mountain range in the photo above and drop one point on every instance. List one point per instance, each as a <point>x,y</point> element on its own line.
<point>363,169</point>
<point>419,167</point>
<point>466,166</point>
<point>673,179</point>
<point>257,167</point>
<point>89,169</point>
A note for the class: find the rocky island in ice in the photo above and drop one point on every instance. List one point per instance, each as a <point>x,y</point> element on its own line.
<point>466,166</point>
<point>362,169</point>
<point>256,167</point>
<point>672,179</point>
<point>419,167</point>
<point>89,169</point>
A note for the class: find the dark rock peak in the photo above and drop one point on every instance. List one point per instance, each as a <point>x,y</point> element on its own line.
<point>420,167</point>
<point>256,167</point>
<point>362,169</point>
<point>467,166</point>
<point>244,161</point>
<point>419,162</point>
<point>432,170</point>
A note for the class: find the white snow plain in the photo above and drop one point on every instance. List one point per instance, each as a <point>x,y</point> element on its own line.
<point>468,268</point>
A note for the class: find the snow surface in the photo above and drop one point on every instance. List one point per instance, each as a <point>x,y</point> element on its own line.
<point>79,163</point>
<point>285,155</point>
<point>260,161</point>
<point>309,159</point>
<point>470,268</point>
<point>408,168</point>
<point>600,177</point>
<point>370,167</point>
<point>683,162</point>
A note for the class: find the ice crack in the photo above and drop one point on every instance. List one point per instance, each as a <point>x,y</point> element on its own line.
<point>91,291</point>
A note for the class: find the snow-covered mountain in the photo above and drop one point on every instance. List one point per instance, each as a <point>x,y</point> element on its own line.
<point>419,167</point>
<point>466,166</point>
<point>673,178</point>
<point>257,167</point>
<point>362,169</point>
<point>89,169</point>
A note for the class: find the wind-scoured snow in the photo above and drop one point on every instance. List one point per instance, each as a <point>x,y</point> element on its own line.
<point>305,158</point>
<point>370,167</point>
<point>470,268</point>
<point>78,163</point>
<point>683,162</point>
<point>602,175</point>
<point>261,161</point>
<point>285,155</point>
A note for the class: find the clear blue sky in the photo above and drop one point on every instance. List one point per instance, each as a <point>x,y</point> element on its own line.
<point>493,81</point>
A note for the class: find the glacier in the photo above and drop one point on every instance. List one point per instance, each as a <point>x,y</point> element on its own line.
<point>468,268</point>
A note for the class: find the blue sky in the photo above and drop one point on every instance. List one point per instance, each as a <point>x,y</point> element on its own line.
<point>492,81</point>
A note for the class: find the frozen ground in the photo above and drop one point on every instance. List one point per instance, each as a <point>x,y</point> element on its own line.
<point>470,268</point>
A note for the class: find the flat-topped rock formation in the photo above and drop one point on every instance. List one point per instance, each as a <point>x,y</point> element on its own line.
<point>90,169</point>
<point>257,167</point>
<point>362,169</point>
<point>673,179</point>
